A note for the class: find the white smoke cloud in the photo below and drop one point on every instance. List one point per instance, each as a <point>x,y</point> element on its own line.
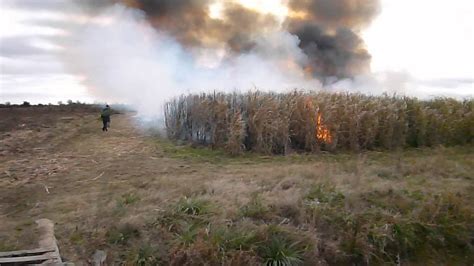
<point>124,59</point>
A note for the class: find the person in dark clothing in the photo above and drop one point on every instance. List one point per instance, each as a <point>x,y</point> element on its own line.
<point>105,116</point>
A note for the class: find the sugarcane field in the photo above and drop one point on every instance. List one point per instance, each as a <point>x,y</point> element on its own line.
<point>236,132</point>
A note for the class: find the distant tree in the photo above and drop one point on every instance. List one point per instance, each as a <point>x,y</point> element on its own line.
<point>8,103</point>
<point>26,104</point>
<point>60,103</point>
<point>69,102</point>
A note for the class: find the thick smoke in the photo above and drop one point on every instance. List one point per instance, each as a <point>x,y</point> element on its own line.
<point>328,29</point>
<point>335,14</point>
<point>121,58</point>
<point>333,55</point>
<point>145,51</point>
<point>189,21</point>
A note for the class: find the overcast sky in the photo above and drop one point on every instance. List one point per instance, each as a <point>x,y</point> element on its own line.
<point>30,64</point>
<point>429,41</point>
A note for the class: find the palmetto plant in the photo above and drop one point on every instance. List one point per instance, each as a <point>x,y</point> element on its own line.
<point>281,252</point>
<point>192,206</point>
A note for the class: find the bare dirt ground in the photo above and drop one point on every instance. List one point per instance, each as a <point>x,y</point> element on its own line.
<point>61,166</point>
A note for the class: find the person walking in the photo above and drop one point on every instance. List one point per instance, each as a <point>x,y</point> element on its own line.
<point>105,116</point>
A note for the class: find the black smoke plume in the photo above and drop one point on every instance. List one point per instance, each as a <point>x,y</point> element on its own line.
<point>328,30</point>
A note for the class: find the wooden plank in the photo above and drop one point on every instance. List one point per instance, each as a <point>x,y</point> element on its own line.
<point>26,252</point>
<point>48,253</point>
<point>26,259</point>
<point>47,239</point>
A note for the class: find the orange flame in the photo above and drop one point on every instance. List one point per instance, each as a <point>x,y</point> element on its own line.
<point>322,132</point>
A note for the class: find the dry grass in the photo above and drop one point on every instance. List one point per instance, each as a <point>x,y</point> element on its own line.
<point>274,123</point>
<point>159,203</point>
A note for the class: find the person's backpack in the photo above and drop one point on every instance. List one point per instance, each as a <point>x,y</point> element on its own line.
<point>105,112</point>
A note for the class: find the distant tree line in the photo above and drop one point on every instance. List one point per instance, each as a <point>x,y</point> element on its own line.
<point>28,104</point>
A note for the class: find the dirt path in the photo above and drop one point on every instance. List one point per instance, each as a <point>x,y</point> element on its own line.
<point>74,182</point>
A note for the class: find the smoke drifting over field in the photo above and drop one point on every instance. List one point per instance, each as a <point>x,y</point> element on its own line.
<point>145,51</point>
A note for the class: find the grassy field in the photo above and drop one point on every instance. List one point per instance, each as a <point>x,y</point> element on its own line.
<point>147,201</point>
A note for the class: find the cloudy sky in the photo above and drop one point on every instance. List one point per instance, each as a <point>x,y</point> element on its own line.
<point>429,43</point>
